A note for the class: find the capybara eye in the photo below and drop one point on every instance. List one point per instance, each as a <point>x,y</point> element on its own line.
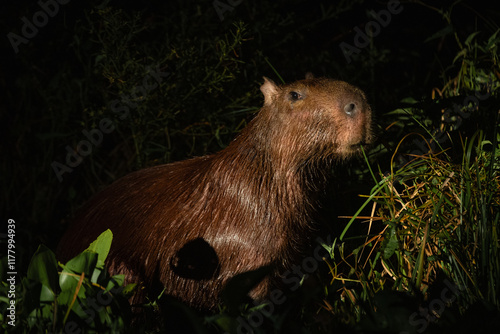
<point>295,96</point>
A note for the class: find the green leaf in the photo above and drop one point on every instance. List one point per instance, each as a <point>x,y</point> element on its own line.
<point>441,33</point>
<point>43,269</point>
<point>65,297</point>
<point>492,41</point>
<point>101,246</point>
<point>83,263</point>
<point>410,100</point>
<point>225,322</point>
<point>129,290</point>
<point>469,39</point>
<point>114,281</point>
<point>459,55</point>
<point>46,294</point>
<point>390,243</point>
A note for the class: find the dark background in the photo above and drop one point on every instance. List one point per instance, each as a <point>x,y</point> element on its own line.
<point>62,81</point>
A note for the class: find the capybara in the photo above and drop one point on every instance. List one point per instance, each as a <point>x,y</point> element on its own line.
<point>190,226</point>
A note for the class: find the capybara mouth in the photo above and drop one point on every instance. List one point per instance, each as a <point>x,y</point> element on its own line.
<point>361,145</point>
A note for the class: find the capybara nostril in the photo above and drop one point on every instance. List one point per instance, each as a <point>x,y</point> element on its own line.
<point>350,109</point>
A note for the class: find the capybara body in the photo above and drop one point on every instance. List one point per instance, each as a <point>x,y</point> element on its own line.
<point>189,226</point>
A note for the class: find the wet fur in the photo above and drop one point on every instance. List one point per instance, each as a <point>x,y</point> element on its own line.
<point>191,225</point>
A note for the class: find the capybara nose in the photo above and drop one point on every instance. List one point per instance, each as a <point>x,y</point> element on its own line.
<point>351,109</point>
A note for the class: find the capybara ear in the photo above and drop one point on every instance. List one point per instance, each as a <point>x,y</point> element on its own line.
<point>269,89</point>
<point>309,75</point>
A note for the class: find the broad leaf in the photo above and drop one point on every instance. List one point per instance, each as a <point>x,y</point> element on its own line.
<point>83,263</point>
<point>43,269</point>
<point>102,246</point>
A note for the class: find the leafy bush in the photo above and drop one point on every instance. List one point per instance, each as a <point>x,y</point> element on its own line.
<point>82,296</point>
<point>438,218</point>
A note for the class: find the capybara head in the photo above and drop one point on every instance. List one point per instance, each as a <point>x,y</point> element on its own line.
<point>315,118</point>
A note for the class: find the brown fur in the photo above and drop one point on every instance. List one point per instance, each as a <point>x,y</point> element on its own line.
<point>189,226</point>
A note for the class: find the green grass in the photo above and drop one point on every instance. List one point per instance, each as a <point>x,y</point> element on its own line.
<point>431,220</point>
